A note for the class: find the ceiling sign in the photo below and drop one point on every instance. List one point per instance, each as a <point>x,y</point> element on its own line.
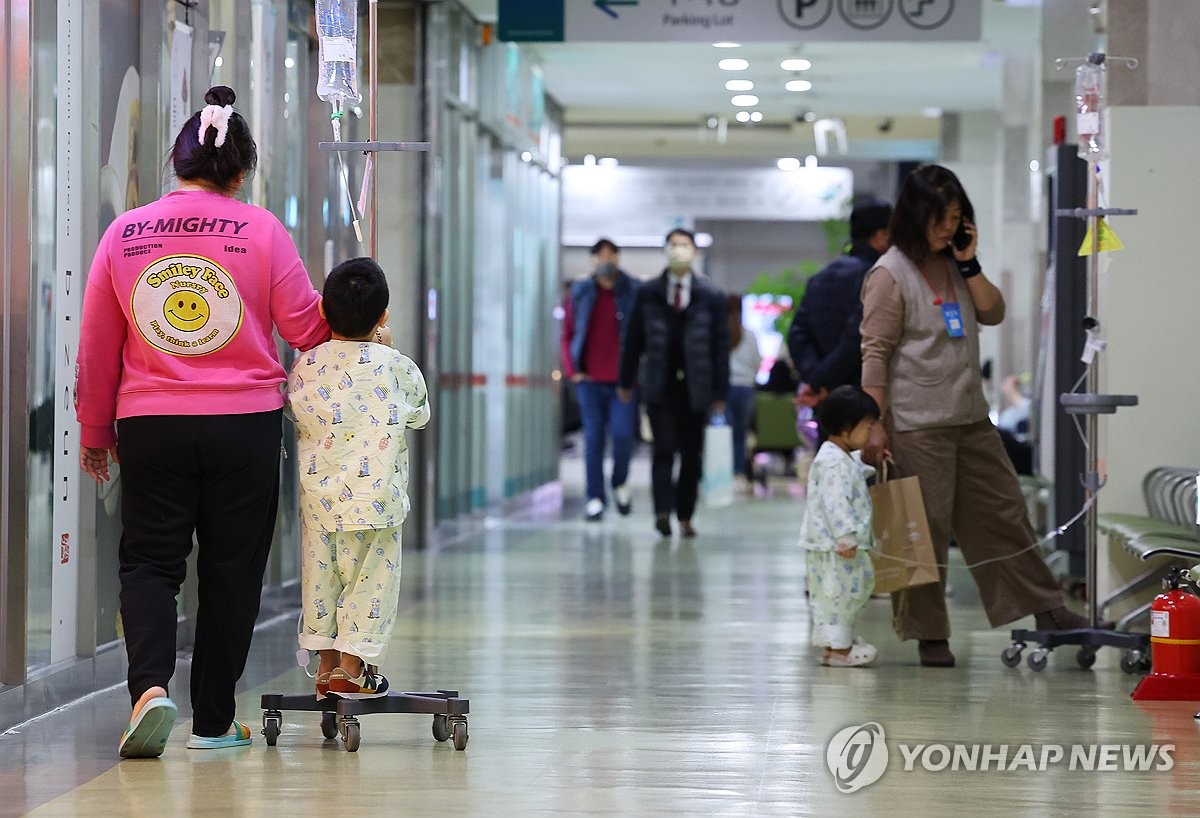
<point>742,21</point>
<point>646,202</point>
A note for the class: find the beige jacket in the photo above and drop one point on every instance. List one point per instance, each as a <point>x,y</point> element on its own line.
<point>932,379</point>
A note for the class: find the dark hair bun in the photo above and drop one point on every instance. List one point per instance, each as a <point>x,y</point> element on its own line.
<point>220,95</point>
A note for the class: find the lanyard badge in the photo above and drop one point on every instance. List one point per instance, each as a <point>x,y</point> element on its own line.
<point>952,315</point>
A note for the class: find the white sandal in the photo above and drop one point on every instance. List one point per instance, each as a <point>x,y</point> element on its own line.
<point>861,654</point>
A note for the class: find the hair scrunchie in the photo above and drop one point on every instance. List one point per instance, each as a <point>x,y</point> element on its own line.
<point>218,117</point>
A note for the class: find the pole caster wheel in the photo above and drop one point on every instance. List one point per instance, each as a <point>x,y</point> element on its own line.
<point>441,727</point>
<point>1011,656</point>
<point>271,725</point>
<point>329,725</point>
<point>351,734</point>
<point>1086,657</point>
<point>458,732</point>
<point>1132,661</point>
<point>1037,660</point>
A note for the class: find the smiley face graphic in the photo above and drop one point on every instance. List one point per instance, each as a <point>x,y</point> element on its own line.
<point>186,311</point>
<point>185,304</point>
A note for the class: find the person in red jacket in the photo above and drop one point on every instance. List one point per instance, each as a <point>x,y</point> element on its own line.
<point>596,316</point>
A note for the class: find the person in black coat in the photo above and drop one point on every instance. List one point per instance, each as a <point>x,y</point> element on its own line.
<point>824,339</point>
<point>676,348</point>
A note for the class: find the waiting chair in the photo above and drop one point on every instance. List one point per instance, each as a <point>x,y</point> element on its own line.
<point>774,428</point>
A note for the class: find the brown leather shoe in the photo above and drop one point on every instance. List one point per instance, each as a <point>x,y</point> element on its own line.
<point>935,653</point>
<point>685,528</point>
<point>1064,619</point>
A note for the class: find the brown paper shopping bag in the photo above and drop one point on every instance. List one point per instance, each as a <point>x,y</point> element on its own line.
<point>903,556</point>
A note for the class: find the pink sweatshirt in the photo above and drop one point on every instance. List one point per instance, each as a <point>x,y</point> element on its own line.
<point>179,312</point>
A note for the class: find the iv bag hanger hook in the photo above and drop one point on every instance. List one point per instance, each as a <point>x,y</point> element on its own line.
<point>1095,58</point>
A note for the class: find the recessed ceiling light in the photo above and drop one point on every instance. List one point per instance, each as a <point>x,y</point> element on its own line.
<point>799,85</point>
<point>733,64</point>
<point>727,45</point>
<point>756,116</point>
<point>742,116</point>
<point>788,163</point>
<point>739,85</point>
<point>744,100</point>
<point>795,65</point>
<point>810,116</point>
<point>608,162</point>
<point>810,161</point>
<point>931,113</point>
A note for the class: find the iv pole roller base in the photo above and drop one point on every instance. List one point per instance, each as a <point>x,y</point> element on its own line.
<point>1089,640</point>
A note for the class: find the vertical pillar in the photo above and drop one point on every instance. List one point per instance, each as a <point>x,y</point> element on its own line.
<point>15,69</point>
<point>1161,34</point>
<point>68,301</point>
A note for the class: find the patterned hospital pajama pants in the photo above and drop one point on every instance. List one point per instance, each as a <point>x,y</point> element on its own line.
<point>838,588</point>
<point>351,590</point>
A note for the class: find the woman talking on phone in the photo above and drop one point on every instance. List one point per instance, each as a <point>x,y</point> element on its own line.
<point>923,304</point>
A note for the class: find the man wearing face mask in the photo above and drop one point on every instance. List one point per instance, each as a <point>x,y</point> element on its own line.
<point>677,349</point>
<point>595,320</point>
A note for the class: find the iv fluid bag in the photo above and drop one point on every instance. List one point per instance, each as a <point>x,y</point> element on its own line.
<point>1089,112</point>
<point>337,34</point>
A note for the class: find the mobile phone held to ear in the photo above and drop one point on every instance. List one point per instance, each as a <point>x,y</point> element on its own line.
<point>962,239</point>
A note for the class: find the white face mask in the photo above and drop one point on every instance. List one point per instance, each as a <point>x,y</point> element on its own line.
<point>680,256</point>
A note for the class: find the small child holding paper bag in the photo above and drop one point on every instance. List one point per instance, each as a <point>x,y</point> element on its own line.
<point>836,531</point>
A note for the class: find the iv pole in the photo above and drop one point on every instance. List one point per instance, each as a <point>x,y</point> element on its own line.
<point>373,146</point>
<point>1090,404</point>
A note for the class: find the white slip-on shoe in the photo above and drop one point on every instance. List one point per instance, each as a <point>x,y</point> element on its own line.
<point>624,500</point>
<point>861,654</point>
<point>594,509</point>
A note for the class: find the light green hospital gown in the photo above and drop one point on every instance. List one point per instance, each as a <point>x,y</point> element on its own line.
<point>838,510</point>
<point>352,401</point>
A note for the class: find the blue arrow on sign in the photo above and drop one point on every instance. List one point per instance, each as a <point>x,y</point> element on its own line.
<point>606,6</point>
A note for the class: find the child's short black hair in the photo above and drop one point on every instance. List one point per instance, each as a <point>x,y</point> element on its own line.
<point>844,408</point>
<point>355,296</point>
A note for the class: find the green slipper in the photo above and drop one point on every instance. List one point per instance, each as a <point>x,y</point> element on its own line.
<point>240,737</point>
<point>146,736</point>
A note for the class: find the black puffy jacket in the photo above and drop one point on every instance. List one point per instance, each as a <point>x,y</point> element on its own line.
<point>645,347</point>
<point>824,339</point>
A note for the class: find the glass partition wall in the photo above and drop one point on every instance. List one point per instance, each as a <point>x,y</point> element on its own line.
<point>491,243</point>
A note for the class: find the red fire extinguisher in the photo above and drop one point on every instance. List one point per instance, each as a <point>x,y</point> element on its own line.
<point>1175,643</point>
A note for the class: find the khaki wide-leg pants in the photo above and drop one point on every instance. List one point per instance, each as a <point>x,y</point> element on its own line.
<point>971,491</point>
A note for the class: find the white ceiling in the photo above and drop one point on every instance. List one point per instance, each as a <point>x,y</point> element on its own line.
<point>633,100</point>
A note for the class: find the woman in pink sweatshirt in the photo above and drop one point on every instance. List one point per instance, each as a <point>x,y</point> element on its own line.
<point>179,380</point>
